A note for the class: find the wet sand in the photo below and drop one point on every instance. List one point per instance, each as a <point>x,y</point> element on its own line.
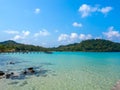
<point>117,86</point>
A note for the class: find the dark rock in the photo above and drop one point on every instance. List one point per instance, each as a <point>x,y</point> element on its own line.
<point>30,68</point>
<point>11,63</point>
<point>12,73</point>
<point>1,73</point>
<point>32,71</point>
<point>25,72</point>
<point>8,76</point>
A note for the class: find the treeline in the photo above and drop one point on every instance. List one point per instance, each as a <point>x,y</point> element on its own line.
<point>12,46</point>
<point>93,45</point>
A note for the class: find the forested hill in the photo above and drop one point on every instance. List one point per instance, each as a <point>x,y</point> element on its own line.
<point>93,45</point>
<point>10,46</point>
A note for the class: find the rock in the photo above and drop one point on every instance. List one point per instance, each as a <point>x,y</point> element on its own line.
<point>8,76</point>
<point>31,70</point>
<point>15,75</point>
<point>12,63</point>
<point>12,73</point>
<point>25,72</point>
<point>1,73</point>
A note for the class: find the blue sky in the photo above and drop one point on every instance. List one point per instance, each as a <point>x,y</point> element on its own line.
<point>54,22</point>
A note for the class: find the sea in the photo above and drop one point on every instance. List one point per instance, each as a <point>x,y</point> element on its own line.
<point>60,70</point>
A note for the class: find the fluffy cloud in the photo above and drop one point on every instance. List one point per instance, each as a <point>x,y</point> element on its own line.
<point>87,10</point>
<point>37,11</point>
<point>23,35</point>
<point>63,37</point>
<point>73,37</point>
<point>85,37</point>
<point>105,10</point>
<point>11,32</point>
<point>43,32</point>
<point>16,37</point>
<point>75,24</point>
<point>112,33</point>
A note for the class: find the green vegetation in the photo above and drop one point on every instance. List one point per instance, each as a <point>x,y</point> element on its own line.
<point>93,45</point>
<point>11,46</point>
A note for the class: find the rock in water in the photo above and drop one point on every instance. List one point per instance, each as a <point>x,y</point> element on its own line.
<point>8,76</point>
<point>12,63</point>
<point>31,70</point>
<point>1,73</point>
<point>25,72</point>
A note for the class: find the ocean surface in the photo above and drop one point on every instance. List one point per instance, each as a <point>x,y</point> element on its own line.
<point>61,71</point>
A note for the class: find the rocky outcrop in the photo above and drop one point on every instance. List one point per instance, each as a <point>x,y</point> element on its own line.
<point>1,73</point>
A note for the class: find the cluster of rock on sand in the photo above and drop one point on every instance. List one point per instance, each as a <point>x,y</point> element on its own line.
<point>14,75</point>
<point>22,74</point>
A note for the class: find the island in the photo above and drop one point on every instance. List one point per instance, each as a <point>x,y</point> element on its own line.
<point>91,45</point>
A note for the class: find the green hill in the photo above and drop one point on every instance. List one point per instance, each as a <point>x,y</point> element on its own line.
<point>93,45</point>
<point>10,46</point>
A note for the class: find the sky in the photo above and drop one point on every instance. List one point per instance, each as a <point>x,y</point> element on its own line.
<point>51,23</point>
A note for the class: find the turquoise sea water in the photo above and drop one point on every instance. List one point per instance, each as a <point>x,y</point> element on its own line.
<point>62,71</point>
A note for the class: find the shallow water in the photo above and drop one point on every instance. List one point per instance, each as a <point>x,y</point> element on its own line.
<point>62,71</point>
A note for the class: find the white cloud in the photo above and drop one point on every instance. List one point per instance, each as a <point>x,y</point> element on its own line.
<point>37,10</point>
<point>11,32</point>
<point>112,33</point>
<point>85,37</point>
<point>73,37</point>
<point>16,37</point>
<point>23,35</point>
<point>87,10</point>
<point>43,32</point>
<point>75,24</point>
<point>105,10</point>
<point>63,37</point>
